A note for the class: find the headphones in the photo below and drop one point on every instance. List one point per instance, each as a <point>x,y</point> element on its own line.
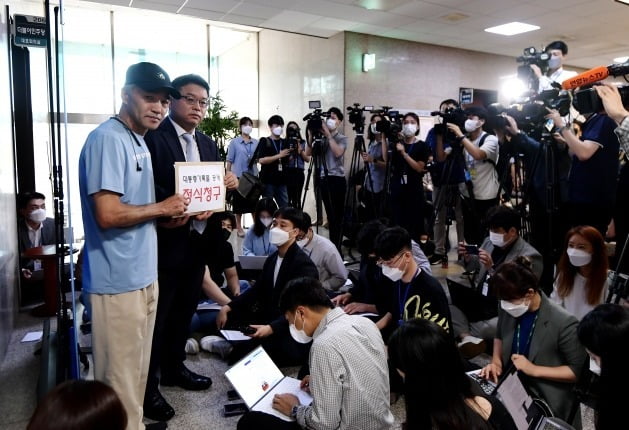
<point>138,168</point>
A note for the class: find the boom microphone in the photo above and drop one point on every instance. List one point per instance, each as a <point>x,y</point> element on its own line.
<point>594,75</point>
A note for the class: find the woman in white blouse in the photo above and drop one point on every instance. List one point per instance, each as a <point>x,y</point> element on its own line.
<point>581,281</point>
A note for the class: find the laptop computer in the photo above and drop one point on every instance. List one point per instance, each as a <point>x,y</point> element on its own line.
<point>252,262</point>
<point>257,379</point>
<point>527,413</point>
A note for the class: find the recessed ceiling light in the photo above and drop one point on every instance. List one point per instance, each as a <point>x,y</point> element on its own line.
<point>512,28</point>
<point>621,60</point>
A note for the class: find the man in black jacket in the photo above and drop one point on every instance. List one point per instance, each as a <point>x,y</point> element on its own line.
<point>259,305</point>
<point>180,263</point>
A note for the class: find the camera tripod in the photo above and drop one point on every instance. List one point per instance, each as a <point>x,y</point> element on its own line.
<point>317,164</point>
<point>447,196</point>
<point>351,221</point>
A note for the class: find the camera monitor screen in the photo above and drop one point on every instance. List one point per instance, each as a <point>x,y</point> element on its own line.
<point>314,104</point>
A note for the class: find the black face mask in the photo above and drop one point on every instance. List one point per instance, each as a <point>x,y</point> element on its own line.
<point>226,233</point>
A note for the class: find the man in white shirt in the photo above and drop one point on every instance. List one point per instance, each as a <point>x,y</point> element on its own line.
<point>558,50</point>
<point>349,378</point>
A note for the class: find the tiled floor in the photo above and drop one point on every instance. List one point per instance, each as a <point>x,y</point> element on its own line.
<point>194,410</point>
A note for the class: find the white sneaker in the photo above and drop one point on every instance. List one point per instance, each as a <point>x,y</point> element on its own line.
<point>216,345</point>
<point>192,346</point>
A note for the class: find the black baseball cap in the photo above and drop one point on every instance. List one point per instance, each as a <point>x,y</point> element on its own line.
<point>150,77</point>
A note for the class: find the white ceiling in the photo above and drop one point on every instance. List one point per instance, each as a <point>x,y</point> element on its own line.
<point>596,30</point>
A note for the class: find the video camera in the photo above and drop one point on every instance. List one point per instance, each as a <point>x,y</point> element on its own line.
<point>356,117</point>
<point>315,117</point>
<point>452,115</point>
<point>587,100</point>
<point>532,56</point>
<point>530,113</point>
<point>390,124</point>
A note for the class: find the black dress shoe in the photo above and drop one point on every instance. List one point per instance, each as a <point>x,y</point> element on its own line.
<point>156,426</point>
<point>186,379</point>
<point>156,407</point>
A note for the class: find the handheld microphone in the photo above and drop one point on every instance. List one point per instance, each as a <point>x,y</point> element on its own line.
<point>594,75</point>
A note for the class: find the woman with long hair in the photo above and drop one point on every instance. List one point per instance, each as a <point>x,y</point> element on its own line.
<point>256,240</point>
<point>537,337</point>
<point>437,391</point>
<point>581,281</point>
<point>605,334</point>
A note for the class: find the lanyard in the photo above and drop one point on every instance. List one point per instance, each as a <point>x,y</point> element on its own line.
<point>402,301</point>
<point>275,145</point>
<point>248,148</point>
<point>528,341</point>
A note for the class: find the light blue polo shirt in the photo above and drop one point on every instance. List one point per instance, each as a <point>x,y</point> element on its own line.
<point>117,260</point>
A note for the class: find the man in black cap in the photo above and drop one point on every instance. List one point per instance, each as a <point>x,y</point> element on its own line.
<point>119,212</point>
<point>181,250</point>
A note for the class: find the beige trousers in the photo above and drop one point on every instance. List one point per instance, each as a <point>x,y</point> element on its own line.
<point>122,333</point>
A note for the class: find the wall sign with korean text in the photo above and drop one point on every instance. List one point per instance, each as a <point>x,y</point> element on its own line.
<point>203,183</point>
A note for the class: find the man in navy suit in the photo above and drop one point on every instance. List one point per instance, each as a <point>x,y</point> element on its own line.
<point>34,229</point>
<point>180,256</point>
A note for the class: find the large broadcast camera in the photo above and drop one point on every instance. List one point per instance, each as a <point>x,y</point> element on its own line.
<point>390,124</point>
<point>531,56</point>
<point>588,101</point>
<point>356,117</point>
<point>530,112</point>
<point>315,117</point>
<point>452,115</point>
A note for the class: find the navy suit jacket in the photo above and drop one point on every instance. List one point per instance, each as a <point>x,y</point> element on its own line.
<point>24,242</point>
<point>176,246</point>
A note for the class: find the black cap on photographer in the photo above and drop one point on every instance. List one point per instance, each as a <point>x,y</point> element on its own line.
<point>150,77</point>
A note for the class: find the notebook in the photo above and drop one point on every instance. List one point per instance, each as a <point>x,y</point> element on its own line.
<point>252,262</point>
<point>527,413</point>
<point>257,379</point>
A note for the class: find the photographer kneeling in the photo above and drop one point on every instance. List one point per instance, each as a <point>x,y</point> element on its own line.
<point>332,184</point>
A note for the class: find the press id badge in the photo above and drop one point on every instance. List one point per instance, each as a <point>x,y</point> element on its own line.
<point>279,166</point>
<point>485,289</point>
<point>404,179</point>
<point>36,265</point>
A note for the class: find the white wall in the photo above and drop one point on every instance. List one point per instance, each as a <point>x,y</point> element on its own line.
<point>295,69</point>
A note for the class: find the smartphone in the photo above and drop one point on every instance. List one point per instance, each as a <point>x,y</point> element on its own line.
<point>471,249</point>
<point>247,330</point>
<point>231,409</point>
<point>232,395</point>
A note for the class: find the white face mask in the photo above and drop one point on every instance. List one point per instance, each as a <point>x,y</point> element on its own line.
<point>246,129</point>
<point>300,336</point>
<point>278,237</point>
<point>554,62</point>
<point>514,310</point>
<point>331,123</point>
<point>373,128</point>
<point>266,221</point>
<point>578,257</point>
<point>277,131</point>
<point>38,215</point>
<point>393,273</point>
<point>409,129</point>
<point>497,239</point>
<point>471,125</point>
<point>594,367</point>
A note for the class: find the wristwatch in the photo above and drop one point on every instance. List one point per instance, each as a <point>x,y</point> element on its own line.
<point>293,412</point>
